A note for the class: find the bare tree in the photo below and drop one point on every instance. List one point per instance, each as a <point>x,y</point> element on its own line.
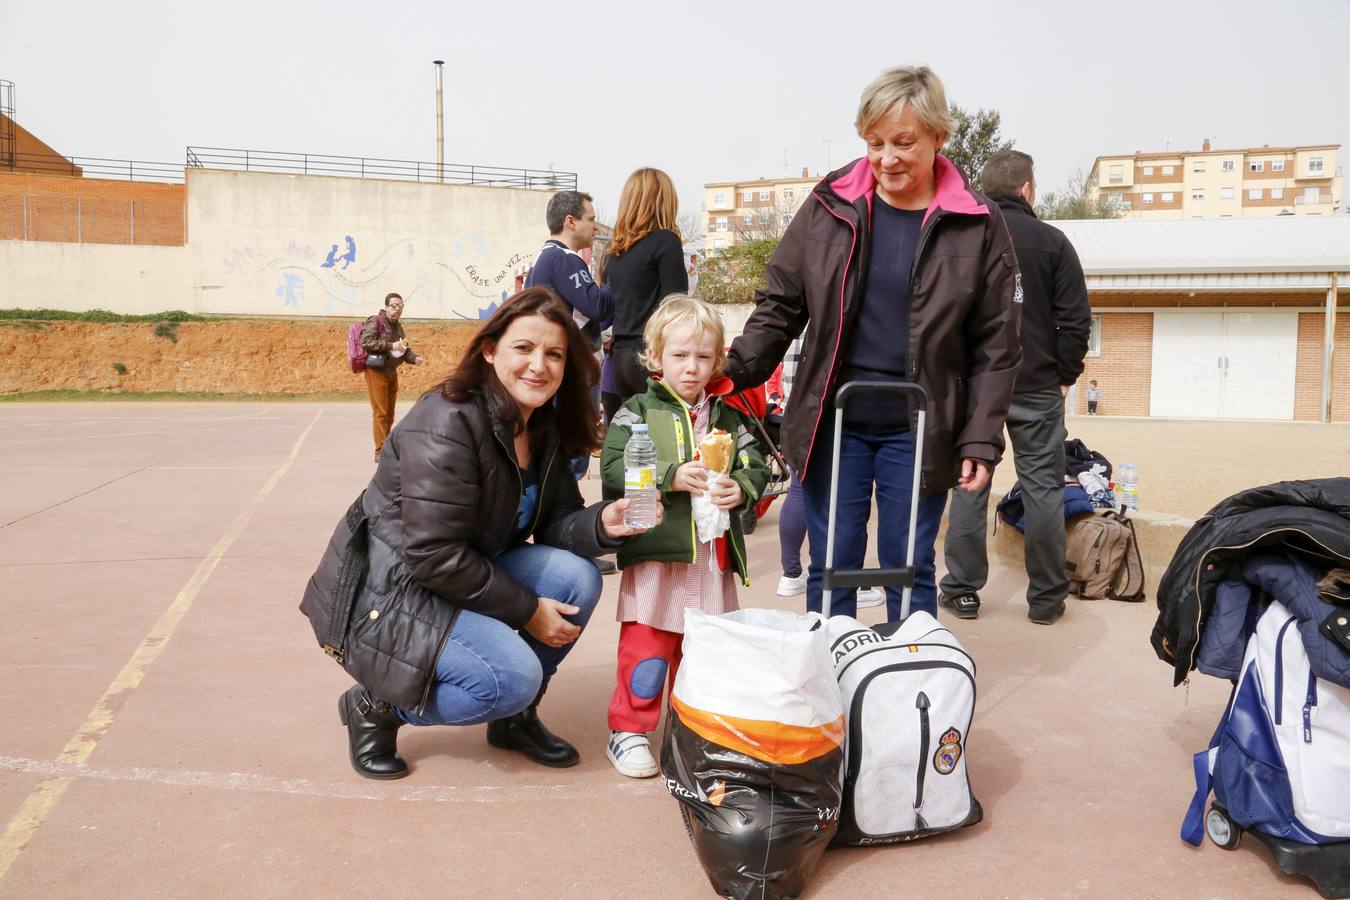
<point>762,223</point>
<point>1078,200</point>
<point>690,226</point>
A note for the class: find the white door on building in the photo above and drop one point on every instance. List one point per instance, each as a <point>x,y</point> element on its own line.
<point>1224,365</point>
<point>1187,374</point>
<point>1260,353</point>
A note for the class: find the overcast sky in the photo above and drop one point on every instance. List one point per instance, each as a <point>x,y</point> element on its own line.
<point>708,91</point>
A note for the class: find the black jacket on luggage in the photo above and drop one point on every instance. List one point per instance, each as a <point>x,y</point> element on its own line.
<point>441,507</point>
<point>1307,518</point>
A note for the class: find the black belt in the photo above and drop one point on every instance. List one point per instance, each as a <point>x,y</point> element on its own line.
<point>355,564</point>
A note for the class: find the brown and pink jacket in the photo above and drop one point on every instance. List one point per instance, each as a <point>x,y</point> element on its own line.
<point>964,348</point>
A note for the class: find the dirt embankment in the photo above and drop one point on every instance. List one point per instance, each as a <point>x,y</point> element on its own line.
<point>227,356</point>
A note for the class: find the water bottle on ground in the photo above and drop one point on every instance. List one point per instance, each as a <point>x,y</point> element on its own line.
<point>639,479</point>
<point>1128,483</point>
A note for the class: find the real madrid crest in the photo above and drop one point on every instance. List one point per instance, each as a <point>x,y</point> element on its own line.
<point>948,752</point>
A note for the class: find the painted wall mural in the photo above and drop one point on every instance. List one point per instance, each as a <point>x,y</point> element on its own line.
<point>313,246</point>
<point>464,280</point>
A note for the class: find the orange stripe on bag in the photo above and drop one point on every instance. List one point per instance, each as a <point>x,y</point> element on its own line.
<point>771,742</point>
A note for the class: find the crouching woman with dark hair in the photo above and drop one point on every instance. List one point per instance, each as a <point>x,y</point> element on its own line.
<point>428,593</point>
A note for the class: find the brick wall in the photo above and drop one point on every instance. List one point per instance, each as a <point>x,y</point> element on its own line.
<point>1308,380</point>
<point>91,210</point>
<point>1124,368</point>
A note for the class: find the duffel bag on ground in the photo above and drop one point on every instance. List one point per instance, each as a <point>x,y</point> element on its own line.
<point>908,704</point>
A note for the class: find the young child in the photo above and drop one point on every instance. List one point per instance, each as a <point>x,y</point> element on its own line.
<point>668,570</point>
<point>1094,394</point>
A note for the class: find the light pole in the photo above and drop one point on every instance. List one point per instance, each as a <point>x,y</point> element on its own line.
<point>440,121</point>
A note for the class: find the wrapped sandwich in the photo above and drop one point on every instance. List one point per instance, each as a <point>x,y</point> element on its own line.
<point>716,451</point>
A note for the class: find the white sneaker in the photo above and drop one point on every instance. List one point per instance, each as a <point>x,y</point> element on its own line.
<point>791,587</point>
<point>870,597</point>
<point>631,754</point>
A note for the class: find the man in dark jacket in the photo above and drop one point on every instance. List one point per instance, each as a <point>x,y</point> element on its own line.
<point>1056,319</point>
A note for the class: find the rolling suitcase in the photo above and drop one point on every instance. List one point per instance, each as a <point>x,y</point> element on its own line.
<point>908,690</point>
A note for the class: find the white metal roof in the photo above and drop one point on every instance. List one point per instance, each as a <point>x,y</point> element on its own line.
<point>1277,253</point>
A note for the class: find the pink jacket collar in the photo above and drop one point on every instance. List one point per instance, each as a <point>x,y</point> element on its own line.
<point>951,194</point>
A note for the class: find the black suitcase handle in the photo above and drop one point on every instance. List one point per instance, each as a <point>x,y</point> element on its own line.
<point>902,577</point>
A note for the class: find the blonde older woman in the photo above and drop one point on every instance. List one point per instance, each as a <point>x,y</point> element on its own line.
<point>897,271</point>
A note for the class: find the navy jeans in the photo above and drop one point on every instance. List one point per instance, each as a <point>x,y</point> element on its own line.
<point>884,456</point>
<point>487,670</point>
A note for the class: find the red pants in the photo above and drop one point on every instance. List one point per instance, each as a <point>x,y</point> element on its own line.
<point>648,660</point>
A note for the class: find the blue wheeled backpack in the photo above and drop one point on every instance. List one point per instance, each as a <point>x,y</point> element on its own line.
<point>1279,763</point>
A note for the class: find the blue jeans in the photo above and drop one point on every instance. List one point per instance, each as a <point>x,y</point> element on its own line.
<point>884,456</point>
<point>792,528</point>
<point>582,464</point>
<point>487,670</point>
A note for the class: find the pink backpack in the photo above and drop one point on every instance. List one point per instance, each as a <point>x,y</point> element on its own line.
<point>356,354</point>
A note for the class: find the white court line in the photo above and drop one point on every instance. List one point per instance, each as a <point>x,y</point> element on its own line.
<point>100,437</point>
<point>78,468</point>
<point>136,559</point>
<point>576,788</point>
<point>44,797</point>
<point>49,420</point>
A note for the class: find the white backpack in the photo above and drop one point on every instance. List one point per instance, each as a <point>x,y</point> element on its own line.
<point>909,699</point>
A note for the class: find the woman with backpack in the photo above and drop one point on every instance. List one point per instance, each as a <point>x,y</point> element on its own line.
<point>430,593</point>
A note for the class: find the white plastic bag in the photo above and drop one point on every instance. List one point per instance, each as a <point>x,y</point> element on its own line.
<point>712,522</point>
<point>753,749</point>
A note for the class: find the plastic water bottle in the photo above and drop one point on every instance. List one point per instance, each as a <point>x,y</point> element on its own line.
<point>639,480</point>
<point>1129,487</point>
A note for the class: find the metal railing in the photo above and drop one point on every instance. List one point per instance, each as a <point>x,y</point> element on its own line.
<point>366,167</point>
<point>1319,200</point>
<point>95,167</point>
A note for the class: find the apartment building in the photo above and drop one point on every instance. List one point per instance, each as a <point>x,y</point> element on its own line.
<point>1250,182</point>
<point>738,211</point>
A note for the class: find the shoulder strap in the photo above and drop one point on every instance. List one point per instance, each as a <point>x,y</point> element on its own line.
<point>1131,585</point>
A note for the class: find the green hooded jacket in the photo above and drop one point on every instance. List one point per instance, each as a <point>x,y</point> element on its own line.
<point>672,430</point>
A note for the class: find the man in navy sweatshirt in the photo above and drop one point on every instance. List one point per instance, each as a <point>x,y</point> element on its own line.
<point>571,225</point>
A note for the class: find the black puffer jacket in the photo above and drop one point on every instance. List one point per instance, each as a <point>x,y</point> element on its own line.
<point>1309,518</point>
<point>441,507</point>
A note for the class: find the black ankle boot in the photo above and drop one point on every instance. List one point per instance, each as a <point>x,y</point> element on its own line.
<point>372,734</point>
<point>525,733</point>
